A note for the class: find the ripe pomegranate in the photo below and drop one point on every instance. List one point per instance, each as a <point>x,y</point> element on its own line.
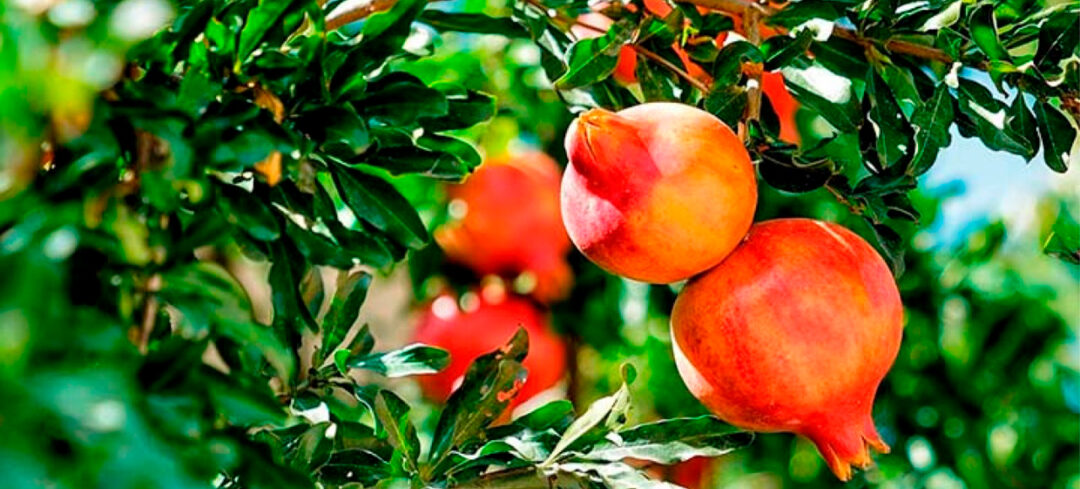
<point>793,332</point>
<point>505,220</point>
<point>658,192</point>
<point>479,329</point>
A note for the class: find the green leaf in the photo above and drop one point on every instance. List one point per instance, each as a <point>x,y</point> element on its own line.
<point>385,32</point>
<point>670,441</point>
<point>245,405</point>
<point>472,22</point>
<point>1021,126</point>
<point>893,140</point>
<point>311,449</point>
<point>401,99</point>
<point>351,291</point>
<point>655,86</point>
<point>932,121</point>
<point>984,32</point>
<point>266,15</point>
<point>355,466</point>
<point>378,203</point>
<point>489,386</point>
<point>789,173</point>
<point>247,213</point>
<point>393,416</point>
<point>727,103</point>
<point>340,131</point>
<point>608,410</point>
<point>1058,136</point>
<point>361,345</point>
<point>1063,241</point>
<point>466,108</point>
<point>413,359</point>
<point>988,116</point>
<point>592,60</point>
<point>779,51</point>
<point>828,94</point>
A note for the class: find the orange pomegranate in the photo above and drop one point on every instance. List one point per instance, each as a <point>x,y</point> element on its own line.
<point>479,329</point>
<point>793,332</point>
<point>505,220</point>
<point>658,192</point>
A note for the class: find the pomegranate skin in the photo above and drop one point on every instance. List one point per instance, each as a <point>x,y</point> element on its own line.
<point>469,334</point>
<point>657,192</point>
<point>511,223</point>
<point>793,332</point>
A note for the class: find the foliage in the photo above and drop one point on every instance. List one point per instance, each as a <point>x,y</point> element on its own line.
<point>883,81</point>
<point>144,143</point>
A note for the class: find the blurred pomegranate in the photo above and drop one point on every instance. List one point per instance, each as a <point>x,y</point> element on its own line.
<point>504,220</point>
<point>487,321</point>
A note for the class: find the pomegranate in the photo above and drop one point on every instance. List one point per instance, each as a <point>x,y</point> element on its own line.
<point>658,192</point>
<point>486,324</point>
<point>505,220</point>
<point>793,332</point>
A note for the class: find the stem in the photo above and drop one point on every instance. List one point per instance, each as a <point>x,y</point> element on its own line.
<point>751,18</point>
<point>517,478</point>
<point>698,84</point>
<point>744,7</point>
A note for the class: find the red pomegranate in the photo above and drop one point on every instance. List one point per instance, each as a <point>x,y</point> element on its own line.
<point>793,332</point>
<point>658,192</point>
<point>505,220</point>
<point>482,327</point>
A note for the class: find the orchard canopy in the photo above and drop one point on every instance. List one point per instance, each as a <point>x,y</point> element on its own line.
<point>516,244</point>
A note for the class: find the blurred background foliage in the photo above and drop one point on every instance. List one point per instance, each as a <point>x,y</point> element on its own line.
<point>985,392</point>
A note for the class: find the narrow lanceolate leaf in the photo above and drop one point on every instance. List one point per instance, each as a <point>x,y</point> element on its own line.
<point>413,359</point>
<point>892,132</point>
<point>601,411</point>
<point>351,291</point>
<point>592,60</point>
<point>931,121</point>
<point>671,441</point>
<point>1058,137</point>
<point>260,20</point>
<point>988,115</point>
<point>490,384</point>
<point>377,202</point>
<point>393,415</point>
<point>472,22</point>
<point>1021,126</point>
<point>825,92</point>
<point>984,31</point>
<point>1064,239</point>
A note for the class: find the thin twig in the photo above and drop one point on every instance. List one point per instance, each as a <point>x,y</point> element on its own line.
<point>340,17</point>
<point>751,19</point>
<point>698,84</point>
<point>743,7</point>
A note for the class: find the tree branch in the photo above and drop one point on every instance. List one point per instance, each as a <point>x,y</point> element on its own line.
<point>340,17</point>
<point>744,7</point>
<point>517,478</point>
<point>698,84</point>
